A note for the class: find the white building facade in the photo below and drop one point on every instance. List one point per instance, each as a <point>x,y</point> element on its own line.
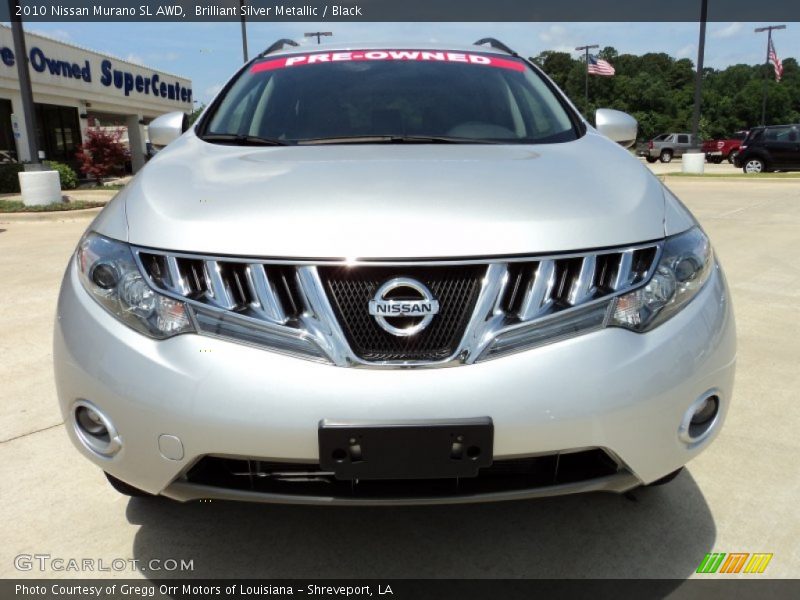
<point>75,88</point>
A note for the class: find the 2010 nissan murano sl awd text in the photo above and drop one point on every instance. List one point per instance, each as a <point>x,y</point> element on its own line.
<point>397,274</point>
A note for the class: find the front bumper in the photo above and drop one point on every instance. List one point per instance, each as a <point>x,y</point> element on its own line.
<point>616,390</point>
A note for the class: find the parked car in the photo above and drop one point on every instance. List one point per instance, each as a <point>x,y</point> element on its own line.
<point>7,157</point>
<point>667,146</point>
<point>772,148</point>
<point>723,149</point>
<point>392,275</point>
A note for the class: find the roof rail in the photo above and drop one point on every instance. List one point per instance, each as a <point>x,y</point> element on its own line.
<point>495,43</point>
<point>281,43</point>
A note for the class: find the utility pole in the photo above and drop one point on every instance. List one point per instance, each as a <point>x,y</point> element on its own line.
<point>319,34</point>
<point>698,82</point>
<point>25,87</point>
<point>585,50</point>
<point>769,31</point>
<point>244,30</point>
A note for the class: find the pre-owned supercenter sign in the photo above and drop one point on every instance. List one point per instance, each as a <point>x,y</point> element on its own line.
<point>125,81</point>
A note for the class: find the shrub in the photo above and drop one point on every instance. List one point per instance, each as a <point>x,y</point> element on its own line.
<point>9,181</point>
<point>68,177</point>
<point>102,154</point>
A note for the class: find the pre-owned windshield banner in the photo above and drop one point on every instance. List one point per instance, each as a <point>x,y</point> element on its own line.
<point>397,10</point>
<point>299,60</point>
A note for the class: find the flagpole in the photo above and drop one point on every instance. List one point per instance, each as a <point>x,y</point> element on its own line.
<point>698,81</point>
<point>766,71</point>
<point>585,49</point>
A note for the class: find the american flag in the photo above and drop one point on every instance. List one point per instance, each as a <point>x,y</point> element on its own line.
<point>598,66</point>
<point>776,62</point>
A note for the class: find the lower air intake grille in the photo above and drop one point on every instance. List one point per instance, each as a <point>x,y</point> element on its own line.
<point>455,287</point>
<point>299,480</point>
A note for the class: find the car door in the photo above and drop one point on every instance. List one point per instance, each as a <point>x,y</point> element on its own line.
<point>781,145</point>
<point>786,148</point>
<point>681,144</point>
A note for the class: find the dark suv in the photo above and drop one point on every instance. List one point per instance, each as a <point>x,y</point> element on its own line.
<point>773,148</point>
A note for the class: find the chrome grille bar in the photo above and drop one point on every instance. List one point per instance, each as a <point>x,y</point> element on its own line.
<point>624,271</point>
<point>265,301</point>
<point>219,291</point>
<point>177,283</point>
<point>539,298</point>
<point>582,288</point>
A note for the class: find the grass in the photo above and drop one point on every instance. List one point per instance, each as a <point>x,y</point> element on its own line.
<point>16,206</point>
<point>737,175</point>
<point>107,186</point>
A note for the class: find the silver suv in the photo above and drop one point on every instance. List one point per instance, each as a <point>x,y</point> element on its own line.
<point>667,146</point>
<point>392,274</point>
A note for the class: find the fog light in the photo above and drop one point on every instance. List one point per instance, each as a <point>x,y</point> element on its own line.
<point>706,411</point>
<point>95,430</point>
<point>700,418</point>
<point>91,421</point>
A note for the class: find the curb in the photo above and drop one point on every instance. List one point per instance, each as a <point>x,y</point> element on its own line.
<point>728,179</point>
<point>56,215</point>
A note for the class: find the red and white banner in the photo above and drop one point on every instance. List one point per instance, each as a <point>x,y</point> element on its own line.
<point>297,60</point>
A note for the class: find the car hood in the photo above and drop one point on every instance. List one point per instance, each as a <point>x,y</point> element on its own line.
<point>393,201</point>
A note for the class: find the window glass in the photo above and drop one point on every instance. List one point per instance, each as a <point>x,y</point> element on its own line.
<point>500,100</point>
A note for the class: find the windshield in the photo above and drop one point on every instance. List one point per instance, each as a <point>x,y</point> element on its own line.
<point>389,95</point>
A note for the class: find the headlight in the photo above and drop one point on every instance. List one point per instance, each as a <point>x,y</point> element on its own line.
<point>683,269</point>
<point>109,273</point>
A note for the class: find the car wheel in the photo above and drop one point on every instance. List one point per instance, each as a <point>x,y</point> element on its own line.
<point>666,479</point>
<point>732,157</point>
<point>716,160</point>
<point>126,489</point>
<point>666,156</point>
<point>651,159</point>
<point>754,165</point>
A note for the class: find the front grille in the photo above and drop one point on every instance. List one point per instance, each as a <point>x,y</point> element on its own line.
<point>455,287</point>
<point>321,311</point>
<point>308,480</point>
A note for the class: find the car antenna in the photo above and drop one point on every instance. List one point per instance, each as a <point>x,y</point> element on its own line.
<point>280,44</point>
<point>495,43</point>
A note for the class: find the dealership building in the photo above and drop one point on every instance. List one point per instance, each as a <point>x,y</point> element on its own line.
<point>75,89</point>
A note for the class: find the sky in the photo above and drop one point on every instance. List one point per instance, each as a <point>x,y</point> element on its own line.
<point>209,53</point>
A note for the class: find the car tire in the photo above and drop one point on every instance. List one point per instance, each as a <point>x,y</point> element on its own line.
<point>754,165</point>
<point>126,489</point>
<point>732,157</point>
<point>716,160</point>
<point>651,159</point>
<point>665,156</point>
<point>666,479</point>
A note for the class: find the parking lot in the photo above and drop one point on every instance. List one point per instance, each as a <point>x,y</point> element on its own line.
<point>739,496</point>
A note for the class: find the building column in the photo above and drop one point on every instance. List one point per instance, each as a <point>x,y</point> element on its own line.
<point>136,140</point>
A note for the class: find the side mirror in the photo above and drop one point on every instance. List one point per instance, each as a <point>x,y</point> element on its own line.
<point>167,128</point>
<point>616,125</point>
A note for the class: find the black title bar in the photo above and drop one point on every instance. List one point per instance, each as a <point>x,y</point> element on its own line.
<point>396,589</point>
<point>399,10</point>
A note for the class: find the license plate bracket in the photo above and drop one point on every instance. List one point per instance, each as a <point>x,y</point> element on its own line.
<point>406,450</point>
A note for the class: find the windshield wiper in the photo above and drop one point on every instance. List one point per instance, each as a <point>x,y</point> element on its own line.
<point>241,140</point>
<point>395,139</point>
